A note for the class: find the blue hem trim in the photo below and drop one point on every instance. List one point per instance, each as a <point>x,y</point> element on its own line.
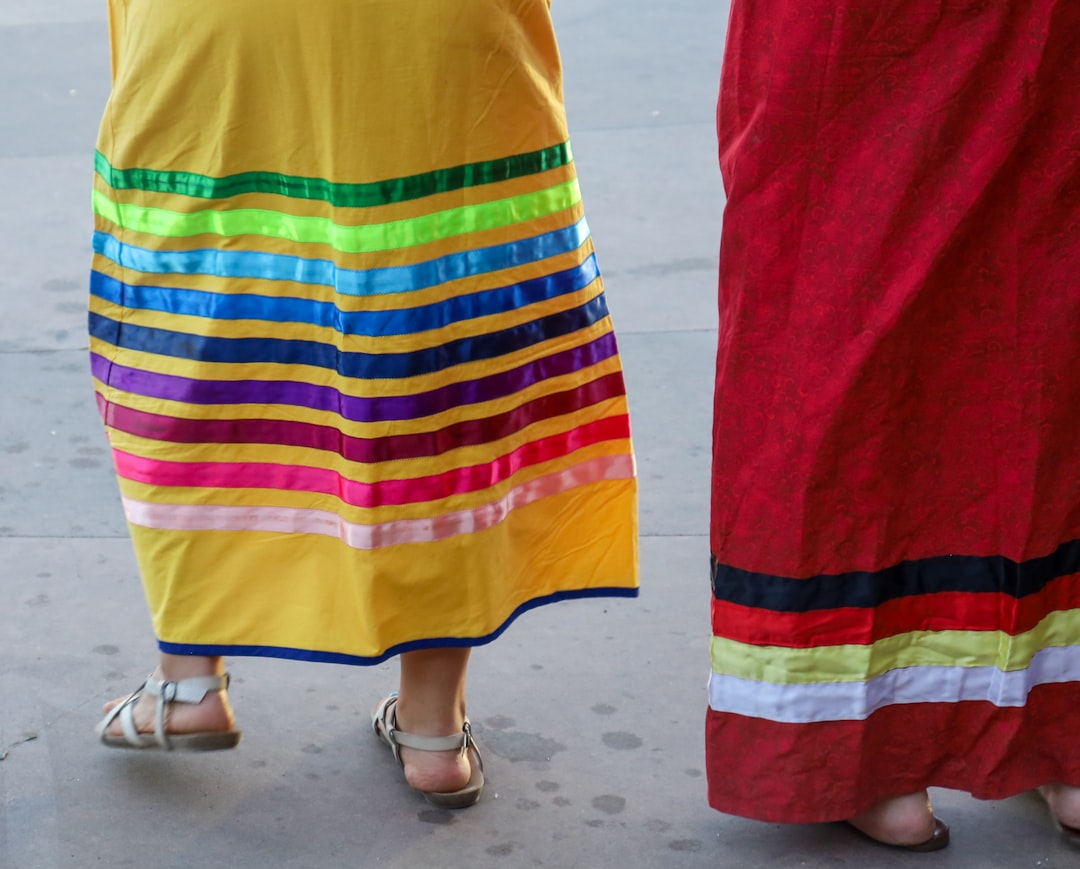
<point>394,651</point>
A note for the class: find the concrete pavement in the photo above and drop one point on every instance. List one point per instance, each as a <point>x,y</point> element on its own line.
<point>591,713</point>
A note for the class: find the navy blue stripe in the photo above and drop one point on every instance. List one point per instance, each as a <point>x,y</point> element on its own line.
<point>360,660</point>
<point>992,574</point>
<point>400,321</point>
<point>369,366</point>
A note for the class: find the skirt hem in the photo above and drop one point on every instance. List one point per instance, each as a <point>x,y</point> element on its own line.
<point>325,657</point>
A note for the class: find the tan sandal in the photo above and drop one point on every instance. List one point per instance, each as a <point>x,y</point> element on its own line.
<point>184,691</point>
<point>384,723</point>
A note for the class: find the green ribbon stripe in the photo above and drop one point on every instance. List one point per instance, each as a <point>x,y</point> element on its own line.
<point>347,239</point>
<point>385,192</point>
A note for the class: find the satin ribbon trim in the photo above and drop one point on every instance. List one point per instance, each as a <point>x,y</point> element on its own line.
<point>383,408</point>
<point>353,282</point>
<point>372,324</point>
<point>384,493</point>
<point>366,238</point>
<point>857,701</point>
<point>368,366</point>
<point>472,432</point>
<point>283,520</point>
<point>375,193</point>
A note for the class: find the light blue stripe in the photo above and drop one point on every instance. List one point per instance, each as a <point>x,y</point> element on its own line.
<point>373,324</point>
<point>352,282</point>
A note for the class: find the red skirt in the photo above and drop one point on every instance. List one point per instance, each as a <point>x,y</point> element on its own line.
<point>896,468</point>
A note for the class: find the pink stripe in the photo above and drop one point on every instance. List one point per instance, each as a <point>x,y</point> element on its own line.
<point>298,478</point>
<point>289,520</point>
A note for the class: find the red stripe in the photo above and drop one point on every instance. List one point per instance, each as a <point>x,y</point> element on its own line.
<point>369,450</point>
<point>943,611</point>
<point>326,481</point>
<point>829,771</point>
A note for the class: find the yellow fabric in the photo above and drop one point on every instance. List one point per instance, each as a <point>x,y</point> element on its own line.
<point>244,343</point>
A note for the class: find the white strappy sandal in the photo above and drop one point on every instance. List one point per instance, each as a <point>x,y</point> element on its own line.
<point>184,691</point>
<point>384,723</point>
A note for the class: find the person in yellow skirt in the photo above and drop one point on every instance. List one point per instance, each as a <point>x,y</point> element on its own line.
<point>351,349</point>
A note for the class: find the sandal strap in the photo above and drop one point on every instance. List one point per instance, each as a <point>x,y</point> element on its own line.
<point>126,713</point>
<point>123,712</point>
<point>432,743</point>
<point>191,690</point>
<point>385,720</point>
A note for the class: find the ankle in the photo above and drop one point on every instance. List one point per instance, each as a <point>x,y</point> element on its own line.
<point>428,721</point>
<point>175,668</point>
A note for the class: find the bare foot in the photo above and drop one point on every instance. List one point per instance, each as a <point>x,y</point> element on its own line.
<point>906,820</point>
<point>212,715</point>
<point>433,771</point>
<point>1064,803</point>
<point>441,772</point>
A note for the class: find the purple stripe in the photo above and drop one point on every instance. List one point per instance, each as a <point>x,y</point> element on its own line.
<point>299,394</point>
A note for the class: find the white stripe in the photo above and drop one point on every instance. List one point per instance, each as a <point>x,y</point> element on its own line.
<point>856,701</point>
<point>293,520</point>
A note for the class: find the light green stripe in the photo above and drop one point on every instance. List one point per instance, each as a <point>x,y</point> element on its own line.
<point>856,663</point>
<point>385,192</point>
<point>347,239</point>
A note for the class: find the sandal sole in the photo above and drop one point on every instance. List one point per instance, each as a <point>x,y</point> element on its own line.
<point>468,795</point>
<point>181,742</point>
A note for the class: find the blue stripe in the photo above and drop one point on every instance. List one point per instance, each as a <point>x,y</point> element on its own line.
<point>370,366</point>
<point>415,645</point>
<point>373,324</point>
<point>351,282</point>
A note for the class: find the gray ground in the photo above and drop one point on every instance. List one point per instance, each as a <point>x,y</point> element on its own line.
<point>591,713</point>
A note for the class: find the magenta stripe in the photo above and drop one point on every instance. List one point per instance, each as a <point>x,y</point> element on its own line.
<point>382,493</point>
<point>356,449</point>
<point>299,394</point>
<point>293,520</point>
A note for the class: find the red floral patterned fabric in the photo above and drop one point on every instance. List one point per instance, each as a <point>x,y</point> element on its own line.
<point>896,491</point>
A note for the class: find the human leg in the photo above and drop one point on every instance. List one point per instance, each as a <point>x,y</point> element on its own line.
<point>431,702</point>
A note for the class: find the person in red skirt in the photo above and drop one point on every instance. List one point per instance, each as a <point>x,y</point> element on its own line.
<point>896,470</point>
